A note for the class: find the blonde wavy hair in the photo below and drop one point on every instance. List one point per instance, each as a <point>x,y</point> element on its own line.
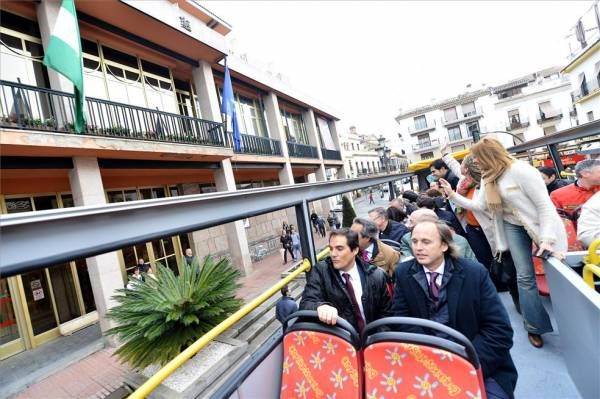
<point>492,157</point>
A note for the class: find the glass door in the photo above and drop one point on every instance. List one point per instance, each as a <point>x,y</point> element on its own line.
<point>10,339</point>
<point>39,302</point>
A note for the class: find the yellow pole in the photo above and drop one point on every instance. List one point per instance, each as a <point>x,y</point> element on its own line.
<point>190,351</point>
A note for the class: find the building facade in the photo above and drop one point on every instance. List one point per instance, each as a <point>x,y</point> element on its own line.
<point>153,76</point>
<point>522,109</point>
<point>583,68</point>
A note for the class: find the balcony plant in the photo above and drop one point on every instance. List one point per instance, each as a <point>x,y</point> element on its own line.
<point>347,212</point>
<point>158,318</point>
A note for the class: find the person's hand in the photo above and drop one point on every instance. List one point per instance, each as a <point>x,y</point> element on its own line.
<point>327,314</point>
<point>544,246</point>
<point>446,187</point>
<point>444,146</point>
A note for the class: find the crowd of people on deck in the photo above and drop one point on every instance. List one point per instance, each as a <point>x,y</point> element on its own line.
<point>444,254</point>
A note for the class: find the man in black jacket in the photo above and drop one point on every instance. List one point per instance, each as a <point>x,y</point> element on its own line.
<point>388,229</point>
<point>345,286</point>
<point>439,286</point>
<point>552,182</point>
<point>440,170</point>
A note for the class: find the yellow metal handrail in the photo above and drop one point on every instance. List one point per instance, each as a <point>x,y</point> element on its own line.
<point>592,266</point>
<point>146,388</point>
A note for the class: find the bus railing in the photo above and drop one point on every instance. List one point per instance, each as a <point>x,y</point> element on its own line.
<point>592,264</point>
<point>168,369</point>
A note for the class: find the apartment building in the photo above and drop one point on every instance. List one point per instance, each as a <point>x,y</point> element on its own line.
<point>522,109</point>
<point>359,154</point>
<point>458,118</point>
<point>153,76</point>
<point>583,68</point>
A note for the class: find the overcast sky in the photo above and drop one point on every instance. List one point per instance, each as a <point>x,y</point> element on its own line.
<point>369,59</point>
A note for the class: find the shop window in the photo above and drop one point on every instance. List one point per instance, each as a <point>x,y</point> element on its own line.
<point>45,202</point>
<point>17,205</point>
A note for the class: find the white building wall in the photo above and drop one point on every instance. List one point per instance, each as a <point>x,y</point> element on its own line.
<point>591,102</point>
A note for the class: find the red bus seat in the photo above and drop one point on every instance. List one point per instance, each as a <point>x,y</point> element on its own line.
<point>408,365</point>
<point>320,361</point>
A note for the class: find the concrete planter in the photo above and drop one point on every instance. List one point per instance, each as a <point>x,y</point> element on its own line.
<point>195,375</point>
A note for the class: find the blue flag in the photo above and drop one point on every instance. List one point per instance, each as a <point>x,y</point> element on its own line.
<point>228,108</point>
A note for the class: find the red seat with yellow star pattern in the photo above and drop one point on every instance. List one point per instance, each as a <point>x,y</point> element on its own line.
<point>320,361</point>
<point>409,365</point>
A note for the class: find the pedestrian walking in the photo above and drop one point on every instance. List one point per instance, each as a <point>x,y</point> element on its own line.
<point>371,197</point>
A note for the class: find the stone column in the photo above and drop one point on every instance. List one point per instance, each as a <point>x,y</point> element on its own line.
<point>104,269</point>
<point>286,176</point>
<point>204,83</point>
<point>236,233</point>
<point>313,134</point>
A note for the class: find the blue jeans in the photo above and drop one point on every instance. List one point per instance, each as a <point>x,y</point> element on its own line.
<point>535,317</point>
<point>297,251</point>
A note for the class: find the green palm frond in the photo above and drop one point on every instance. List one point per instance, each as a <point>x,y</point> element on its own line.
<point>157,319</point>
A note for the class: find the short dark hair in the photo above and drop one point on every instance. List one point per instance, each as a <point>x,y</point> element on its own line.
<point>410,195</point>
<point>433,193</point>
<point>284,290</point>
<point>547,171</point>
<point>439,164</point>
<point>369,228</point>
<point>426,202</point>
<point>396,214</point>
<point>351,236</point>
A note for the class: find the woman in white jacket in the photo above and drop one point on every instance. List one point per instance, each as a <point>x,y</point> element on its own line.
<point>516,196</point>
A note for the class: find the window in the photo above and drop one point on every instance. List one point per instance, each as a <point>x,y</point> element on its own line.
<point>458,148</point>
<point>509,93</point>
<point>514,119</point>
<point>590,116</point>
<point>473,130</point>
<point>583,87</point>
<point>469,109</point>
<point>454,133</point>
<point>420,122</point>
<point>424,140</point>
<point>325,134</point>
<point>427,155</point>
<point>293,124</point>
<point>450,114</point>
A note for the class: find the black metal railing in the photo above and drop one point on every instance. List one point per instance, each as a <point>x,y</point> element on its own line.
<point>29,107</point>
<point>332,155</point>
<point>302,150</point>
<point>255,145</point>
<point>549,116</point>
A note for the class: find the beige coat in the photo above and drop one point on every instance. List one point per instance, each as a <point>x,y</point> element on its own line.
<point>387,258</point>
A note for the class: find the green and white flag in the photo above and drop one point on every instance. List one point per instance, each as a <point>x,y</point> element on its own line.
<point>64,55</point>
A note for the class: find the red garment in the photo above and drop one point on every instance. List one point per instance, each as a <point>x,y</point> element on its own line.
<point>571,196</point>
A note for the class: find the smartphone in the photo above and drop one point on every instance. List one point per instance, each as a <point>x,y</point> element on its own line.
<point>545,254</point>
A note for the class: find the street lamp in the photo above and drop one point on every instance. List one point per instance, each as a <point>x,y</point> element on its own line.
<point>384,152</point>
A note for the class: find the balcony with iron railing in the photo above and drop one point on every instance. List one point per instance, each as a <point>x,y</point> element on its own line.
<point>517,124</point>
<point>421,128</point>
<point>299,150</point>
<point>256,145</point>
<point>35,108</point>
<point>464,117</point>
<point>589,89</point>
<point>331,155</point>
<point>425,145</point>
<point>549,116</point>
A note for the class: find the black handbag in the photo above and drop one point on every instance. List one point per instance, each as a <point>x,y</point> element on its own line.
<point>503,269</point>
